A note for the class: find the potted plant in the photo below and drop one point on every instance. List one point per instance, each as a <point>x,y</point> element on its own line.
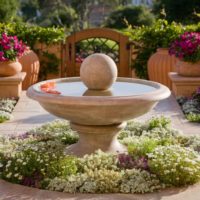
<point>158,39</point>
<point>10,50</point>
<point>187,49</point>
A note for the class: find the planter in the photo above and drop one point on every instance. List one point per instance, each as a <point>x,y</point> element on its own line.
<point>159,65</point>
<point>31,65</point>
<point>46,55</point>
<point>188,69</point>
<point>9,68</point>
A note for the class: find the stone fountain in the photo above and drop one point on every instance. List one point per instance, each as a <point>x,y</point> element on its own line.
<point>98,104</point>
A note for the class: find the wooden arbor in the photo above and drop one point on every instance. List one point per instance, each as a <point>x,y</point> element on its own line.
<point>99,40</point>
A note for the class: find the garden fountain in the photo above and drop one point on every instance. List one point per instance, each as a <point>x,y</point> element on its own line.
<point>97,103</point>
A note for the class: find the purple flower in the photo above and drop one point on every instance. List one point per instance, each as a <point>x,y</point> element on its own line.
<point>198,90</point>
<point>126,161</point>
<point>32,181</point>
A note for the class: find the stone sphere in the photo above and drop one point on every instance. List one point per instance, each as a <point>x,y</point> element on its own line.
<point>98,72</point>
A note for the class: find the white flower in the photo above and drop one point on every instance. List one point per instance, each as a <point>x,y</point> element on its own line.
<point>9,175</point>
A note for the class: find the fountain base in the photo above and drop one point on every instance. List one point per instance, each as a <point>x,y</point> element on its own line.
<point>92,138</point>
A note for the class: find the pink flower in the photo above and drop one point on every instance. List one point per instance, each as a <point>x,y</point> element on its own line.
<point>10,47</point>
<point>186,47</point>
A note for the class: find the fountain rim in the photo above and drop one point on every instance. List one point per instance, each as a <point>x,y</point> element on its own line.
<point>160,93</point>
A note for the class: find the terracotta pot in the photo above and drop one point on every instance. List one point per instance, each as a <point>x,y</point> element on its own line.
<point>159,65</point>
<point>10,68</point>
<point>188,69</point>
<point>30,65</point>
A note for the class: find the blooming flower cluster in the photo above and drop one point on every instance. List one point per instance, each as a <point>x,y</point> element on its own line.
<point>175,165</point>
<point>187,47</point>
<point>10,47</point>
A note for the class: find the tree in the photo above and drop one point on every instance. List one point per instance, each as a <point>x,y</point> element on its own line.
<point>48,13</point>
<point>61,16</point>
<point>178,10</point>
<point>130,15</point>
<point>8,10</point>
<point>29,9</point>
<point>83,9</point>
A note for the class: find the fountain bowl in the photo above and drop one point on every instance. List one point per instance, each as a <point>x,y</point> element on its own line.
<point>99,110</point>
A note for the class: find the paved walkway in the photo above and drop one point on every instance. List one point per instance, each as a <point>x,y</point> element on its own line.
<point>29,114</point>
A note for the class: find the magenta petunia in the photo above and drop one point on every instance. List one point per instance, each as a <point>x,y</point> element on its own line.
<point>186,47</point>
<point>10,47</point>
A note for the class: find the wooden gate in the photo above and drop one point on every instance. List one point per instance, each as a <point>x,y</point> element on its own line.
<point>99,40</point>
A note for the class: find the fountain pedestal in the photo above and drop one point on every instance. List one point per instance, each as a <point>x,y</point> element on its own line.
<point>92,138</point>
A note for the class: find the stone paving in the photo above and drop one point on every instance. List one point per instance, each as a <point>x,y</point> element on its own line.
<point>28,114</point>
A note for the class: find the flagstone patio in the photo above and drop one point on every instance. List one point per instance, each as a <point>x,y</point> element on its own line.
<point>28,114</point>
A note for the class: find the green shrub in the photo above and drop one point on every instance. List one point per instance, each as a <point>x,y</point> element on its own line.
<point>193,117</point>
<point>98,160</point>
<point>149,38</point>
<point>157,122</point>
<point>191,141</point>
<point>107,181</point>
<point>175,165</point>
<point>4,116</point>
<point>32,34</point>
<point>46,159</point>
<point>156,128</point>
<point>139,181</point>
<point>142,146</point>
<point>58,129</point>
<point>94,181</point>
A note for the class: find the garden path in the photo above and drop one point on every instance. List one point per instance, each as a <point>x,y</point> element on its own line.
<point>28,114</point>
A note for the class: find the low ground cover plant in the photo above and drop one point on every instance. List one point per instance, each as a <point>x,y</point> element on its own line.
<point>191,106</point>
<point>6,108</point>
<point>157,156</point>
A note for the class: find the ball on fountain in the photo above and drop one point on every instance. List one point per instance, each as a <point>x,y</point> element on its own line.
<point>98,72</point>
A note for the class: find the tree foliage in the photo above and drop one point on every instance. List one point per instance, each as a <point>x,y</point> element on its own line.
<point>48,13</point>
<point>130,15</point>
<point>61,16</point>
<point>8,10</point>
<point>178,10</point>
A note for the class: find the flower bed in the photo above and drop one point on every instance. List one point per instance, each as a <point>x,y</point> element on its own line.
<point>6,108</point>
<point>157,157</point>
<point>191,106</point>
